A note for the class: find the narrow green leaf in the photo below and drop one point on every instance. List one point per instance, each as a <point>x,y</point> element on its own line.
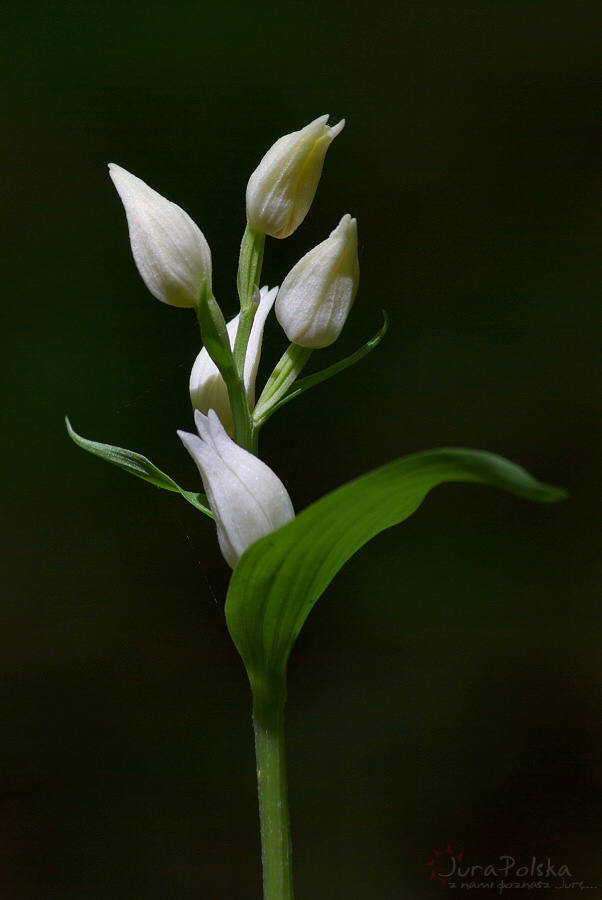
<point>139,465</point>
<point>310,380</point>
<point>278,385</point>
<point>214,333</point>
<point>280,577</point>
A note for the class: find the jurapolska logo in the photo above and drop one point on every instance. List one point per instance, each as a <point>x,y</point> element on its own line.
<point>503,874</point>
<point>443,864</point>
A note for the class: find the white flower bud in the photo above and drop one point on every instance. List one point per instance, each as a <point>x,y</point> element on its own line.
<point>170,251</point>
<point>247,499</point>
<point>283,186</point>
<point>315,297</point>
<point>207,387</point>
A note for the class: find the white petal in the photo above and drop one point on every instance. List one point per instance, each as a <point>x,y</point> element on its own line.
<point>207,387</point>
<point>266,301</point>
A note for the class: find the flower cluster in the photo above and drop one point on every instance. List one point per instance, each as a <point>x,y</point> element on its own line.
<point>173,257</point>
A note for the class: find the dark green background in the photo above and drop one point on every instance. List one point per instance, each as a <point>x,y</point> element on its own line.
<point>447,688</point>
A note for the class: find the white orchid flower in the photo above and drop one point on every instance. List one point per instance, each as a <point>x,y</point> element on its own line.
<point>315,297</point>
<point>247,498</point>
<point>169,249</point>
<point>282,188</point>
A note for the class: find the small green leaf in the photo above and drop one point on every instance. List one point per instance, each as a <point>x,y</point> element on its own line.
<point>139,465</point>
<point>280,577</point>
<point>214,332</point>
<point>304,383</point>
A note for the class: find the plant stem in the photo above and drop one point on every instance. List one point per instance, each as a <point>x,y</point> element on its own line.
<point>287,369</point>
<point>249,274</point>
<point>249,265</point>
<point>214,335</point>
<point>268,723</point>
<point>243,431</point>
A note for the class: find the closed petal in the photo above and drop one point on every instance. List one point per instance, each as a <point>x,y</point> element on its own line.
<point>316,296</point>
<point>169,249</point>
<point>282,188</point>
<point>247,498</point>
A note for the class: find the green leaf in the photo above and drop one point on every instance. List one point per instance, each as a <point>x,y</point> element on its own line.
<point>214,332</point>
<point>139,465</point>
<point>304,383</point>
<point>280,577</point>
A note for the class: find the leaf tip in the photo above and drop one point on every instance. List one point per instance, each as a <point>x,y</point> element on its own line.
<point>552,494</point>
<point>70,430</point>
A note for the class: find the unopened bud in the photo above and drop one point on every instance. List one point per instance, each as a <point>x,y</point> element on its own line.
<point>283,186</point>
<point>169,250</point>
<point>315,297</point>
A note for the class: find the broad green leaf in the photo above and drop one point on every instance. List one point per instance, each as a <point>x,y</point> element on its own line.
<point>139,465</point>
<point>280,577</point>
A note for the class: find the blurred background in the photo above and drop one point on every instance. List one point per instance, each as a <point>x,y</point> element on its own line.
<point>447,688</point>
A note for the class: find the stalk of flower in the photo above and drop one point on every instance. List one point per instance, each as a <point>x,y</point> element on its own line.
<point>247,499</point>
<point>207,387</point>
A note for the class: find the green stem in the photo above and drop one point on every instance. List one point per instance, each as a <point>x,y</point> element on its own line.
<point>268,723</point>
<point>249,265</point>
<point>241,417</point>
<point>245,323</point>
<point>287,369</point>
<point>215,338</point>
<point>249,273</point>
